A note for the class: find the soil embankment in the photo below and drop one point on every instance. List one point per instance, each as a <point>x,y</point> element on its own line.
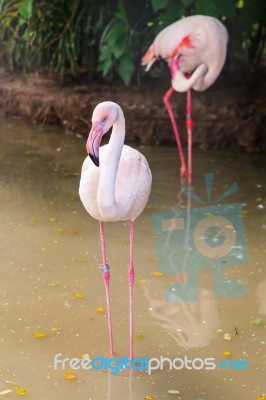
<point>224,117</point>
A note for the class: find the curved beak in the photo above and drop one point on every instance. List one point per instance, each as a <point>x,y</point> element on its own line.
<point>148,59</point>
<point>94,141</point>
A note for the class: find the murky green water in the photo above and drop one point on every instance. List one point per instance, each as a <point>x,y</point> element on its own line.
<point>50,282</point>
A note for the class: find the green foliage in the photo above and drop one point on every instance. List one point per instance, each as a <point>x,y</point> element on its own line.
<point>48,36</point>
<point>12,49</point>
<point>25,11</point>
<point>158,4</point>
<point>108,37</point>
<point>216,9</point>
<point>114,51</point>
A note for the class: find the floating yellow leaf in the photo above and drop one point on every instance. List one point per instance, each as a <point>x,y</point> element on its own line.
<point>33,221</point>
<point>100,310</point>
<point>227,353</point>
<point>71,231</point>
<point>81,260</point>
<point>78,295</point>
<point>39,335</point>
<point>256,321</point>
<point>228,336</point>
<point>21,391</point>
<point>157,273</point>
<point>86,356</point>
<point>139,335</point>
<point>29,153</point>
<point>54,329</point>
<point>149,397</point>
<point>172,391</point>
<point>69,375</point>
<point>58,230</point>
<point>261,397</point>
<point>152,207</point>
<point>208,215</point>
<point>123,242</point>
<point>141,281</point>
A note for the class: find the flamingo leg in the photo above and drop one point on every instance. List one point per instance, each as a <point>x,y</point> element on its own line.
<point>131,275</point>
<point>167,103</point>
<point>189,135</point>
<point>106,276</point>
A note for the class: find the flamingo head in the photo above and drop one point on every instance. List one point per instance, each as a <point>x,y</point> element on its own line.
<point>103,118</point>
<point>149,58</point>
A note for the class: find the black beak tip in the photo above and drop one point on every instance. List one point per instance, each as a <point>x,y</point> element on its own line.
<point>94,159</point>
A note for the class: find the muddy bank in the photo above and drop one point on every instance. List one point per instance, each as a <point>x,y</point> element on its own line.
<point>225,117</point>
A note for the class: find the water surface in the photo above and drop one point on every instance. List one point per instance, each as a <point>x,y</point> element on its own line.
<point>50,282</point>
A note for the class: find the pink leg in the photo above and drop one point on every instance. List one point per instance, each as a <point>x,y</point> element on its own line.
<point>167,103</point>
<point>106,276</point>
<point>131,275</point>
<point>189,135</point>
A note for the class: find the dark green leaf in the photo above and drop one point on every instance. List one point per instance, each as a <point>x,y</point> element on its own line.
<point>173,12</point>
<point>106,67</point>
<point>225,8</point>
<point>253,12</point>
<point>105,54</point>
<point>187,2</point>
<point>215,8</point>
<point>115,32</point>
<point>25,10</point>
<point>121,10</point>
<point>120,46</point>
<point>126,67</point>
<point>158,4</point>
<point>206,7</point>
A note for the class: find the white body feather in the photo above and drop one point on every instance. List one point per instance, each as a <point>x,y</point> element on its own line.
<point>119,188</point>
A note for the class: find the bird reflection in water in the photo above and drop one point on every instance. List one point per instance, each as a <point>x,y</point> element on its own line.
<point>189,323</point>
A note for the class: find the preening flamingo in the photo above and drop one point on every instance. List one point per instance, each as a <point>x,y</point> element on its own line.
<point>195,49</point>
<point>114,186</point>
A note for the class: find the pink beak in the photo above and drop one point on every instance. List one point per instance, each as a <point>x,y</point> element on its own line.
<point>94,141</point>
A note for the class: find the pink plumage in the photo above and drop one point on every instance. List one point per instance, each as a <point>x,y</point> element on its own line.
<point>195,49</point>
<point>115,185</point>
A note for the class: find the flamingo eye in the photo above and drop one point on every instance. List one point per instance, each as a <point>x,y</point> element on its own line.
<point>104,120</point>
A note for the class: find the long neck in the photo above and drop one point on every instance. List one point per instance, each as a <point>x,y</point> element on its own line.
<point>109,166</point>
<point>181,83</point>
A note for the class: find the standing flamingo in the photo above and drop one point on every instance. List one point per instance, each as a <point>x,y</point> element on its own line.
<point>195,49</point>
<point>116,191</point>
